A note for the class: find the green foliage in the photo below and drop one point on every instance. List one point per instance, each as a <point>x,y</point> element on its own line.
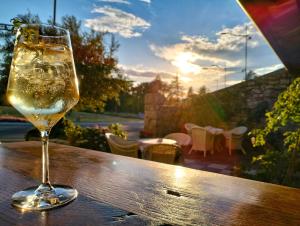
<point>285,115</point>
<point>204,110</point>
<point>99,78</point>
<point>6,50</point>
<point>284,119</point>
<point>215,109</point>
<point>90,138</point>
<point>58,131</point>
<point>117,130</point>
<point>131,101</point>
<point>270,166</point>
<point>7,110</point>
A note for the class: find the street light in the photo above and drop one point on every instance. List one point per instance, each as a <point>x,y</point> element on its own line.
<point>220,68</point>
<point>54,12</point>
<point>247,37</point>
<point>225,71</point>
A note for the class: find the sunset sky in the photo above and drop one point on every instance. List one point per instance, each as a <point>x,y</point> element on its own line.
<point>167,37</point>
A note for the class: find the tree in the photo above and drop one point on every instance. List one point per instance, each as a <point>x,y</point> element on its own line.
<point>157,85</point>
<point>250,75</point>
<point>175,91</point>
<point>190,92</point>
<point>131,101</point>
<point>139,93</point>
<point>6,51</point>
<point>96,65</point>
<point>284,118</point>
<point>202,90</point>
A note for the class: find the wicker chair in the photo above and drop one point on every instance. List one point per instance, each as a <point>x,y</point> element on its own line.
<point>123,147</point>
<point>188,127</point>
<point>202,140</point>
<point>234,138</point>
<point>182,139</point>
<point>165,153</point>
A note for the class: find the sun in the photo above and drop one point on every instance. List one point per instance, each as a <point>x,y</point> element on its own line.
<point>184,61</point>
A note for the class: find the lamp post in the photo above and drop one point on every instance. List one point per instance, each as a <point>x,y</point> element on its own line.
<point>219,67</point>
<point>247,37</point>
<point>54,12</point>
<point>225,71</point>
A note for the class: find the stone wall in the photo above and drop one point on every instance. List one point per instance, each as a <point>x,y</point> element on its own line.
<point>241,104</point>
<point>251,99</point>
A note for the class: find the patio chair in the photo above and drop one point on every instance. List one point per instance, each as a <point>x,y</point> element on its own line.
<point>188,127</point>
<point>165,153</point>
<point>234,138</point>
<point>123,147</point>
<point>202,140</point>
<point>182,139</point>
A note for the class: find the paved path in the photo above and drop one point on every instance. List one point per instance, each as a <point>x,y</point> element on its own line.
<point>14,130</point>
<point>11,131</point>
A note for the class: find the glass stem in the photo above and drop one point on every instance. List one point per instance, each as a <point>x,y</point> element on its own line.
<point>45,158</point>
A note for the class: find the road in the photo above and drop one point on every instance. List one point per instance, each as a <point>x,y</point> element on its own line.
<point>15,131</point>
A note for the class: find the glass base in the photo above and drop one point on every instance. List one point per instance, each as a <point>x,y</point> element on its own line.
<point>44,197</point>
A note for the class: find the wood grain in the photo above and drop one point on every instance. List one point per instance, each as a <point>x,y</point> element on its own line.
<point>157,194</point>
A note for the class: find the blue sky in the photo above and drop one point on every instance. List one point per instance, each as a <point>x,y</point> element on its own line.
<point>167,37</point>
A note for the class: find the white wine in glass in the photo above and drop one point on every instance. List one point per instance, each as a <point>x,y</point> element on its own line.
<point>43,86</point>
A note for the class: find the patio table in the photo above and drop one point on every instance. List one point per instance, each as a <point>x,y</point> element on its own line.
<point>144,142</point>
<point>118,190</point>
<point>148,141</point>
<point>218,138</point>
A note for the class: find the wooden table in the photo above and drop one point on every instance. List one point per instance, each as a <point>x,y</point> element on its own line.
<point>117,190</point>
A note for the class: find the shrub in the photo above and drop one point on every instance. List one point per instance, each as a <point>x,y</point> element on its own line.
<point>90,138</point>
<point>117,129</point>
<point>58,131</point>
<point>284,119</point>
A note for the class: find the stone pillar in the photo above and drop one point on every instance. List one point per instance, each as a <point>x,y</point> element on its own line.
<point>153,104</point>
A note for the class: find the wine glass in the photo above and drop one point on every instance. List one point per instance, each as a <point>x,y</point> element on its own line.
<point>43,86</point>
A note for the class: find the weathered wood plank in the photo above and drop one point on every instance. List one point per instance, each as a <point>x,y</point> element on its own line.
<point>157,193</point>
<point>83,211</point>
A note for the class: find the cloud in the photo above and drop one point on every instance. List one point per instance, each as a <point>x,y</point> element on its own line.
<point>203,59</point>
<point>146,1</point>
<point>117,21</point>
<point>193,52</point>
<point>143,74</point>
<point>266,70</point>
<point>140,74</point>
<point>116,1</point>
